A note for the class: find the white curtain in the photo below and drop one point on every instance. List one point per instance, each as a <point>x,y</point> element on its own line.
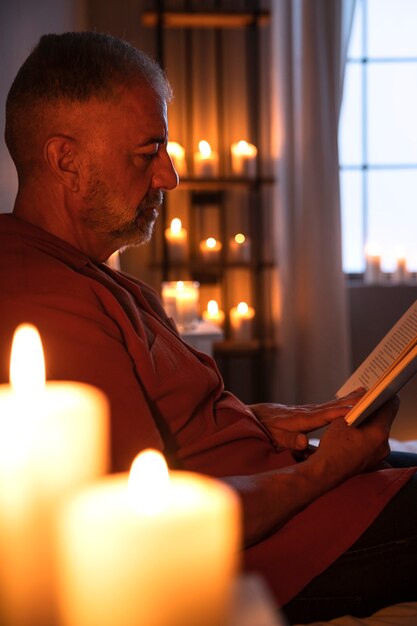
<point>309,49</point>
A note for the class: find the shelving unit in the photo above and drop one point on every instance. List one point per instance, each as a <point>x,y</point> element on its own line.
<point>207,87</point>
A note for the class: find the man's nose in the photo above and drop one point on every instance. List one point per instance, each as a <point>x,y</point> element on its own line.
<point>165,176</point>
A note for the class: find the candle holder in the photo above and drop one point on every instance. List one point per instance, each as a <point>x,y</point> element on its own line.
<point>180,299</point>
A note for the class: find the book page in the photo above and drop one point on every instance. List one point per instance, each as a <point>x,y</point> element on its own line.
<point>399,339</point>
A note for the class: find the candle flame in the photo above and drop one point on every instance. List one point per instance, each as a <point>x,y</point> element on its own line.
<point>180,285</point>
<point>204,148</point>
<point>240,238</point>
<point>176,226</point>
<point>175,149</point>
<point>211,242</point>
<point>242,308</point>
<point>148,484</point>
<point>27,363</point>
<point>372,250</point>
<point>244,148</point>
<point>212,307</point>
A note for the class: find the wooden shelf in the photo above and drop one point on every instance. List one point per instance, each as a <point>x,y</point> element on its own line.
<point>223,182</point>
<point>203,19</point>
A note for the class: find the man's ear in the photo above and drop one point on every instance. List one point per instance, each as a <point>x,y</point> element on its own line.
<point>60,155</point>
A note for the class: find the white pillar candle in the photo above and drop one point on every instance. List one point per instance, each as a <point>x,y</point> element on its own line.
<point>206,161</point>
<point>176,237</point>
<point>241,321</point>
<point>180,299</point>
<point>53,439</point>
<point>156,549</point>
<point>213,313</point>
<point>244,159</point>
<point>210,250</point>
<point>177,154</point>
<point>373,273</point>
<point>240,248</point>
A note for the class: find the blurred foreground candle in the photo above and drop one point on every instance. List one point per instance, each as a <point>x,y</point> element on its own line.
<point>206,161</point>
<point>213,313</point>
<point>180,299</point>
<point>239,248</point>
<point>176,237</point>
<point>154,549</point>
<point>373,273</point>
<point>244,159</point>
<point>210,250</point>
<point>53,439</point>
<point>241,321</point>
<point>177,154</point>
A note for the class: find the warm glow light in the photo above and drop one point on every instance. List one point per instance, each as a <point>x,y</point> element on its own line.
<point>148,485</point>
<point>211,242</point>
<point>180,285</point>
<point>175,149</point>
<point>176,226</point>
<point>27,365</point>
<point>242,308</point>
<point>372,250</point>
<point>212,307</point>
<point>245,148</point>
<point>204,148</point>
<point>239,238</point>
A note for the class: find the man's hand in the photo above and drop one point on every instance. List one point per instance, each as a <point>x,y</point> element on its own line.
<point>359,449</point>
<point>288,424</point>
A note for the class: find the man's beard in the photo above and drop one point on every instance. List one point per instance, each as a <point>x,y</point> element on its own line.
<point>111,217</point>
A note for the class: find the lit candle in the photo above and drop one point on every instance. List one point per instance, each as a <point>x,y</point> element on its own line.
<point>373,272</point>
<point>210,249</point>
<point>53,438</point>
<point>213,313</point>
<point>155,548</point>
<point>177,154</point>
<point>401,273</point>
<point>244,159</point>
<point>241,321</point>
<point>206,161</point>
<point>176,237</point>
<point>240,248</point>
<point>180,299</point>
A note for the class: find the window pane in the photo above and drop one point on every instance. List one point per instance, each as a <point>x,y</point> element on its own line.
<point>392,26</point>
<point>392,215</point>
<point>392,119</point>
<point>355,50</point>
<point>352,226</point>
<point>350,124</point>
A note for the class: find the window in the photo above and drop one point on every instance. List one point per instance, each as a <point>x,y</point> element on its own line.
<point>378,135</point>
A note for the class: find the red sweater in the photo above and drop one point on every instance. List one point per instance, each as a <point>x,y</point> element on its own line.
<point>107,329</point>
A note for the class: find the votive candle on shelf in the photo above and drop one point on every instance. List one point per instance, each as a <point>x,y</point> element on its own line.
<point>53,439</point>
<point>213,313</point>
<point>244,159</point>
<point>210,250</point>
<point>401,273</point>
<point>177,154</point>
<point>156,548</point>
<point>241,322</point>
<point>373,272</point>
<point>176,237</point>
<point>180,299</point>
<point>240,248</point>
<point>206,161</point>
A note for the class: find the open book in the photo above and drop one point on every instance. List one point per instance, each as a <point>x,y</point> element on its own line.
<point>389,366</point>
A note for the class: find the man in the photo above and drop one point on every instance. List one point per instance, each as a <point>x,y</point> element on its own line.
<point>86,127</point>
